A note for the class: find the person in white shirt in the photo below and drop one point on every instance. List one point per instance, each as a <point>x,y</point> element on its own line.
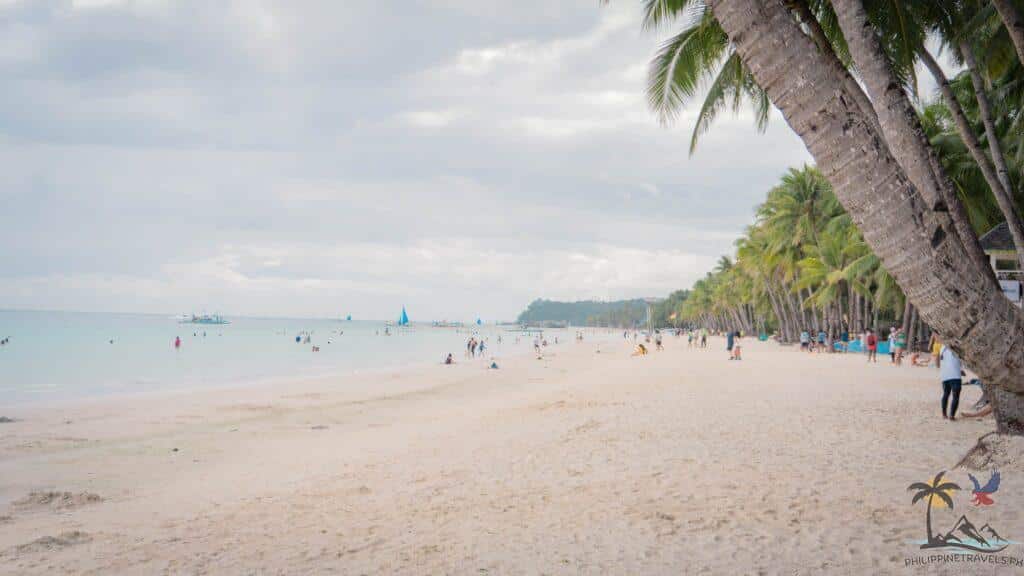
<point>950,372</point>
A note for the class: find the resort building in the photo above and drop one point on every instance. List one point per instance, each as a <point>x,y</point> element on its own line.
<point>998,246</point>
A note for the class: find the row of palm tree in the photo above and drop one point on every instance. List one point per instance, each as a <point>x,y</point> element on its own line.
<point>803,265</point>
<point>918,180</point>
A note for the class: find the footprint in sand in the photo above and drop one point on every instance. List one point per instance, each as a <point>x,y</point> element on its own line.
<point>48,543</point>
<point>56,500</point>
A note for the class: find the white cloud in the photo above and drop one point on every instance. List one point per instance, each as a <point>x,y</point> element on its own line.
<point>431,118</point>
<point>270,158</point>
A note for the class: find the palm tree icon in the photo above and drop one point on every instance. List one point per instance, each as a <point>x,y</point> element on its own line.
<point>937,489</point>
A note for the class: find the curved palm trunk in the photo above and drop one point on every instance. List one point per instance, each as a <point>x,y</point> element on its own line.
<point>1014,24</point>
<point>803,12</point>
<point>915,238</point>
<point>901,127</point>
<point>1003,196</point>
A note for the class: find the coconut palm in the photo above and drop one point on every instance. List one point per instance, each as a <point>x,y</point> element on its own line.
<point>904,219</point>
<point>698,57</point>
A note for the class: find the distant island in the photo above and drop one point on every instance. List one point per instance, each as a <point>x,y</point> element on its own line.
<point>616,313</point>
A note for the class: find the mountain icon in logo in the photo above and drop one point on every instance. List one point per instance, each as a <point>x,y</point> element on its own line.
<point>964,534</point>
<point>992,534</point>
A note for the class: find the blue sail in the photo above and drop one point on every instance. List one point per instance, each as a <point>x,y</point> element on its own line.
<point>348,318</point>
<point>404,319</point>
<point>478,322</point>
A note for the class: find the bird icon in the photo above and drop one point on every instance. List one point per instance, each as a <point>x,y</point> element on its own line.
<point>983,494</point>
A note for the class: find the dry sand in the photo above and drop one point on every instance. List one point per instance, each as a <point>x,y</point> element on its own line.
<point>680,462</point>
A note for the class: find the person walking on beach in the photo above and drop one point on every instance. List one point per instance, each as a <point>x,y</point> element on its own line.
<point>901,345</point>
<point>177,341</point>
<point>805,340</point>
<point>892,345</point>
<point>871,341</point>
<point>821,340</point>
<point>950,372</point>
<point>703,337</point>
<point>736,346</point>
<point>729,341</point>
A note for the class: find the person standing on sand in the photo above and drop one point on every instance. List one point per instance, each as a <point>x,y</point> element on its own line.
<point>950,372</point>
<point>901,345</point>
<point>892,345</point>
<point>703,337</point>
<point>871,341</point>
<point>177,341</point>
<point>805,340</point>
<point>729,341</point>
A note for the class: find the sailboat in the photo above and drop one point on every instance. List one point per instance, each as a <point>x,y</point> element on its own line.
<point>478,322</point>
<point>348,318</point>
<point>403,320</point>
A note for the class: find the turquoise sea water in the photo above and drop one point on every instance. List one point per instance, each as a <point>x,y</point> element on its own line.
<point>68,355</point>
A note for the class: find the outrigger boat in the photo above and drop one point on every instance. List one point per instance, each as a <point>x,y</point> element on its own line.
<point>204,319</point>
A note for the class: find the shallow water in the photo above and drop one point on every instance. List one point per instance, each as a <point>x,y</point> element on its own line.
<point>69,355</point>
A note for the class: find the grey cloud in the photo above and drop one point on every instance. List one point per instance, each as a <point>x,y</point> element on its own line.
<point>268,145</point>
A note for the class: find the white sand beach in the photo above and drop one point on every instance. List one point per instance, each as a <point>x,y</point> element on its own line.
<point>680,462</point>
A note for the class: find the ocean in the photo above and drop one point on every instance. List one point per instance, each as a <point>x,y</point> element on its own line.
<point>75,355</point>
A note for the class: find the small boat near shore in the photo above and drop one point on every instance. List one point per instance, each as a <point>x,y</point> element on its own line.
<point>203,319</point>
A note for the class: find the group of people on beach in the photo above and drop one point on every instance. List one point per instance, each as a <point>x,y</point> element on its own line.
<point>473,346</point>
<point>950,368</point>
<point>697,338</point>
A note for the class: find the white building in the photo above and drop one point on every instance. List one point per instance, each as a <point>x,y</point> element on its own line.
<point>1002,254</point>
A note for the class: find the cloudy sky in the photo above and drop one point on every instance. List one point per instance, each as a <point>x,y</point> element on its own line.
<point>316,158</point>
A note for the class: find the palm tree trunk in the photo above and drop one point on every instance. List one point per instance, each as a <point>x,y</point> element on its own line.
<point>778,315</point>
<point>783,314</point>
<point>1003,196</point>
<point>814,311</point>
<point>912,331</point>
<point>1014,24</point>
<point>908,311</point>
<point>914,238</point>
<point>807,18</point>
<point>901,127</point>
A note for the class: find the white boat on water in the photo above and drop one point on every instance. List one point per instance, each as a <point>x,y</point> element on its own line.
<point>203,319</point>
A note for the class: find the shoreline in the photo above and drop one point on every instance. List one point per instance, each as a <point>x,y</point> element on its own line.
<point>24,408</point>
<point>583,462</point>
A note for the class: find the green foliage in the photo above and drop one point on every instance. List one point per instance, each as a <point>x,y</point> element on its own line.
<point>620,313</point>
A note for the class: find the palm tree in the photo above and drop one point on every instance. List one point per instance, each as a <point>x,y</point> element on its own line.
<point>937,489</point>
<point>1011,16</point>
<point>907,225</point>
<point>700,56</point>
